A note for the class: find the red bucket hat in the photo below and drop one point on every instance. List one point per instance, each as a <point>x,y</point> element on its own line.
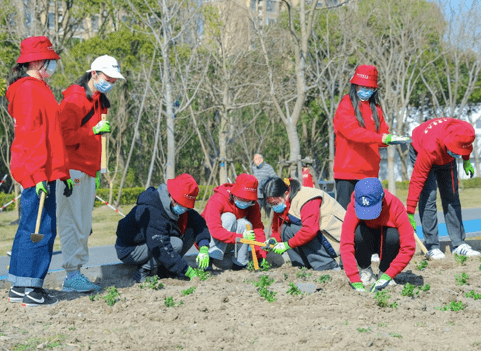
<point>460,138</point>
<point>365,75</point>
<point>35,49</point>
<point>245,187</point>
<point>183,189</point>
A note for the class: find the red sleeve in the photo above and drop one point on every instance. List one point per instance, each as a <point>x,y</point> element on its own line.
<point>406,240</point>
<point>421,170</point>
<point>72,112</point>
<point>347,244</point>
<point>345,122</point>
<point>310,223</point>
<point>212,213</point>
<point>254,216</point>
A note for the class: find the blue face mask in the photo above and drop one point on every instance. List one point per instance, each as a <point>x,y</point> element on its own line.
<point>279,208</point>
<point>242,204</point>
<point>103,86</point>
<point>178,210</point>
<point>454,155</point>
<point>365,93</point>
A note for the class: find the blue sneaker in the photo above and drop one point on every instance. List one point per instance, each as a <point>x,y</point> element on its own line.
<point>79,283</point>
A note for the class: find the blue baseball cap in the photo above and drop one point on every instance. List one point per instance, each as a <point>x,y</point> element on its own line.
<point>368,195</point>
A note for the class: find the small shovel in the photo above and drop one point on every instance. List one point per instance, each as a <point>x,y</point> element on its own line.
<point>36,237</point>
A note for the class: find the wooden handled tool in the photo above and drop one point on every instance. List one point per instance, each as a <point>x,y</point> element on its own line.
<point>36,237</point>
<point>253,250</point>
<point>103,160</point>
<point>420,243</point>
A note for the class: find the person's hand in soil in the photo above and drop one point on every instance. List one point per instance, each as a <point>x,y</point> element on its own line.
<point>202,258</point>
<point>191,274</point>
<point>358,287</point>
<point>381,283</point>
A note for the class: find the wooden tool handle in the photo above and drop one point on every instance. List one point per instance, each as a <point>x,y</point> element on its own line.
<point>40,210</point>
<point>103,160</point>
<point>420,243</point>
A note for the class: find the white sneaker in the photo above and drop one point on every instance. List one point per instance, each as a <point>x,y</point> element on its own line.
<point>375,258</point>
<point>435,254</point>
<point>466,250</point>
<point>367,276</point>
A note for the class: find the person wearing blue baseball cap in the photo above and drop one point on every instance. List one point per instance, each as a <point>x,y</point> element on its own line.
<point>376,221</point>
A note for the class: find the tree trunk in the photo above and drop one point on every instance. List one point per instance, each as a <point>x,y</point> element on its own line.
<point>223,148</point>
<point>476,158</point>
<point>156,142</point>
<point>295,150</point>
<point>331,153</point>
<point>390,167</point>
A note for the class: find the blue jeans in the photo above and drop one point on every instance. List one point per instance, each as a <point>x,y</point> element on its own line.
<point>30,261</point>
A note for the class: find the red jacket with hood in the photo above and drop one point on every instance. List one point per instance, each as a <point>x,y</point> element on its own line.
<point>428,142</point>
<point>393,215</point>
<point>83,146</point>
<point>220,203</point>
<point>38,151</point>
<point>357,148</point>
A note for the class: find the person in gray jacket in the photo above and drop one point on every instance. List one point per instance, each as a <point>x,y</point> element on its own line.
<point>262,171</point>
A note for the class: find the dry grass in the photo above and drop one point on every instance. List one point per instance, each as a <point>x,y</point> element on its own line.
<point>105,220</point>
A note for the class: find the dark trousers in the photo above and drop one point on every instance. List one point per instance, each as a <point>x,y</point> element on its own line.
<point>445,178</point>
<point>344,190</point>
<point>311,255</point>
<point>30,261</point>
<point>368,241</point>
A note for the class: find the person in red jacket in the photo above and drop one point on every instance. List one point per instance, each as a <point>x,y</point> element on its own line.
<point>360,131</point>
<point>38,160</point>
<point>375,222</point>
<point>227,214</point>
<point>80,115</point>
<point>436,146</point>
<point>302,215</point>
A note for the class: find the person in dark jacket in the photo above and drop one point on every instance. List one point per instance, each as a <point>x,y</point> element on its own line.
<point>161,228</point>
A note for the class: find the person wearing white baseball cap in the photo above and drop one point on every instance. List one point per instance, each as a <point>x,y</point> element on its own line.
<point>82,127</point>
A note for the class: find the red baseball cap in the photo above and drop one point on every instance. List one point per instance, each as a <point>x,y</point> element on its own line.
<point>460,137</point>
<point>245,187</point>
<point>183,189</point>
<point>35,49</point>
<point>365,75</point>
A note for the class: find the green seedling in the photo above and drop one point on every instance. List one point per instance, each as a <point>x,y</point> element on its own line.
<point>461,259</point>
<point>264,281</point>
<point>462,279</point>
<point>382,324</point>
<point>303,274</point>
<point>169,302</point>
<point>265,266</point>
<point>188,291</point>
<point>94,297</point>
<point>364,330</point>
<point>382,298</point>
<point>421,265</point>
<point>409,290</point>
<point>112,297</point>
<point>453,306</point>
<point>425,288</point>
<point>473,295</point>
<point>267,294</point>
<point>250,266</point>
<point>294,290</point>
<point>286,276</point>
<point>262,284</point>
<point>152,283</point>
<point>395,335</point>
<point>203,275</point>
<point>324,279</point>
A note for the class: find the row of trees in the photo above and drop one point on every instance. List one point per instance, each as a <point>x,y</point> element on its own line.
<point>210,84</point>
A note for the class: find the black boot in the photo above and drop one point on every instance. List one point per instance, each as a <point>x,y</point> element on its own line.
<point>141,275</point>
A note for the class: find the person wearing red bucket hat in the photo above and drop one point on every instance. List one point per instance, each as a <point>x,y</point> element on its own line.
<point>436,145</point>
<point>227,213</point>
<point>161,228</point>
<point>360,131</point>
<point>38,159</point>
<point>82,126</point>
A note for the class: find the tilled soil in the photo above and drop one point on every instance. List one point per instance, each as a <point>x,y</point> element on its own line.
<point>226,312</point>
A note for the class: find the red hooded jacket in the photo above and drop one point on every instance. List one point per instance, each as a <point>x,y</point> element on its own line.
<point>83,146</point>
<point>357,148</point>
<point>393,215</point>
<point>428,142</point>
<point>220,203</point>
<point>38,151</point>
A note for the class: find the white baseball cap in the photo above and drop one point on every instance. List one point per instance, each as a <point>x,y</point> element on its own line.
<point>108,65</point>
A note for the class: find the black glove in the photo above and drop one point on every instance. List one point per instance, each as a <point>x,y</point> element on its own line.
<point>68,187</point>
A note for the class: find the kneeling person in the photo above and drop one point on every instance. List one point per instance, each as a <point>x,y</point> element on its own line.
<point>376,221</point>
<point>161,228</point>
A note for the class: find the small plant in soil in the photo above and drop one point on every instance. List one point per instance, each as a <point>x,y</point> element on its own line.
<point>294,290</point>
<point>152,283</point>
<point>286,276</point>
<point>264,281</point>
<point>453,306</point>
<point>262,284</point>
<point>250,266</point>
<point>462,279</point>
<point>382,324</point>
<point>203,275</point>
<point>112,297</point>
<point>395,335</point>
<point>473,295</point>
<point>421,265</point>
<point>170,302</point>
<point>94,297</point>
<point>267,294</point>
<point>461,259</point>
<point>303,274</point>
<point>364,330</point>
<point>265,266</point>
<point>188,291</point>
<point>409,290</point>
<point>382,298</point>
<point>324,279</point>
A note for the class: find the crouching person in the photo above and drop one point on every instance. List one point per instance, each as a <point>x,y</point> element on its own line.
<point>227,213</point>
<point>376,221</point>
<point>161,228</point>
<point>301,216</point>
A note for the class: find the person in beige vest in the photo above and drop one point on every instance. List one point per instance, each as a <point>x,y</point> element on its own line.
<point>303,218</point>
